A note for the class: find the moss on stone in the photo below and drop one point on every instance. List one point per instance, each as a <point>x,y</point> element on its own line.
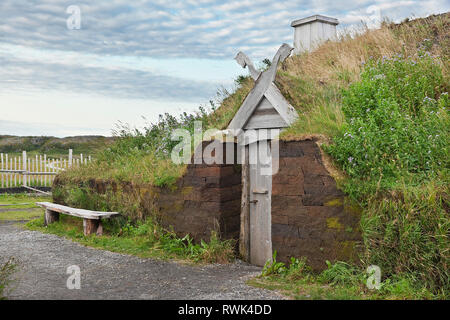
<point>351,207</point>
<point>346,250</point>
<point>187,190</point>
<point>333,223</point>
<point>336,202</point>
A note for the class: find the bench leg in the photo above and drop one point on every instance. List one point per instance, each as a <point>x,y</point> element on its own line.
<point>99,228</point>
<point>91,226</point>
<point>50,217</point>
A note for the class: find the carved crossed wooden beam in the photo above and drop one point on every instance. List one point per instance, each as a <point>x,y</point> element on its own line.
<point>264,87</point>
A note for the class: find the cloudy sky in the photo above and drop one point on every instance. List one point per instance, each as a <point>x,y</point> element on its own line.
<point>141,58</point>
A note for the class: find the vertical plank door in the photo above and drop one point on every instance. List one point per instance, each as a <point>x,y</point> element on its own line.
<point>260,202</point>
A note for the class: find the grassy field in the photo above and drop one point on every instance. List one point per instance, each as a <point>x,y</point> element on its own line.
<point>340,281</point>
<point>53,147</point>
<point>145,239</point>
<point>20,207</point>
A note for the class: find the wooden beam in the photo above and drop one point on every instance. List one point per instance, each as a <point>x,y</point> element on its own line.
<point>90,226</point>
<point>264,87</point>
<point>50,217</point>
<point>37,190</point>
<point>81,213</point>
<point>244,236</point>
<point>245,61</point>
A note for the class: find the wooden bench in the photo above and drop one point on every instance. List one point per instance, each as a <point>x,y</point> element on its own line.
<point>92,222</point>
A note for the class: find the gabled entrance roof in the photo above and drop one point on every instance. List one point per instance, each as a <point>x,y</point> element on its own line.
<point>264,107</point>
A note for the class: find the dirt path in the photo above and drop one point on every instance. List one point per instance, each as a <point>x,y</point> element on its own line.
<point>107,275</point>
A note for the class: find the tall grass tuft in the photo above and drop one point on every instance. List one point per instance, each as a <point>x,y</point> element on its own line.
<point>7,269</point>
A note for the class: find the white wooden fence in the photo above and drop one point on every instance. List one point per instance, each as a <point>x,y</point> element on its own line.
<point>38,170</point>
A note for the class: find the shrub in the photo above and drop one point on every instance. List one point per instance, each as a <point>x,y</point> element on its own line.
<point>397,120</point>
<point>406,232</point>
<point>298,268</point>
<point>273,267</point>
<point>216,250</point>
<point>394,149</point>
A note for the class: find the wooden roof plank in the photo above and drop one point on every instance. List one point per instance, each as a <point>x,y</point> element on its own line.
<point>264,87</point>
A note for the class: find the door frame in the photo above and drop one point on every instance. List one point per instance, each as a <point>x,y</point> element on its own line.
<point>245,246</point>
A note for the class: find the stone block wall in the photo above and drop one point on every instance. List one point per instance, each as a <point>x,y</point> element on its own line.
<point>206,198</point>
<point>311,217</point>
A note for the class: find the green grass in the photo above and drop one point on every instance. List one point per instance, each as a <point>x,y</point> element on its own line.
<point>20,215</point>
<point>20,207</point>
<point>52,146</point>
<point>310,288</point>
<point>340,281</point>
<point>145,240</point>
<point>20,200</point>
<point>72,228</point>
<point>7,269</point>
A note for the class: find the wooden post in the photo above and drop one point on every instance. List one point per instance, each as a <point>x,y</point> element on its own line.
<point>15,174</point>
<point>70,157</point>
<point>244,237</point>
<point>32,170</point>
<point>45,169</point>
<point>6,167</point>
<point>41,168</point>
<point>24,163</point>
<point>11,174</point>
<point>36,167</point>
<point>29,168</point>
<point>52,169</point>
<point>20,166</point>
<point>99,228</point>
<point>91,226</point>
<point>1,159</point>
<point>50,217</point>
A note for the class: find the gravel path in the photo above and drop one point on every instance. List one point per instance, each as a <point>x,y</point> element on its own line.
<point>107,275</point>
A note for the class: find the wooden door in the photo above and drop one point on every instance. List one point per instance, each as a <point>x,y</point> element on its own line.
<point>260,174</point>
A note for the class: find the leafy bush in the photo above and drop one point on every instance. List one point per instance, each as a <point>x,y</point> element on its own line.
<point>296,269</point>
<point>155,138</point>
<point>273,267</point>
<point>406,232</point>
<point>397,120</point>
<point>394,148</point>
<point>214,251</point>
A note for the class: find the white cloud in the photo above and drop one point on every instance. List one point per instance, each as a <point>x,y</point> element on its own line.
<point>166,51</point>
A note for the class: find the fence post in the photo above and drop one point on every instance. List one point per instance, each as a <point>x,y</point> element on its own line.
<point>6,167</point>
<point>1,159</point>
<point>15,173</point>
<point>70,158</point>
<point>45,169</point>
<point>24,162</point>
